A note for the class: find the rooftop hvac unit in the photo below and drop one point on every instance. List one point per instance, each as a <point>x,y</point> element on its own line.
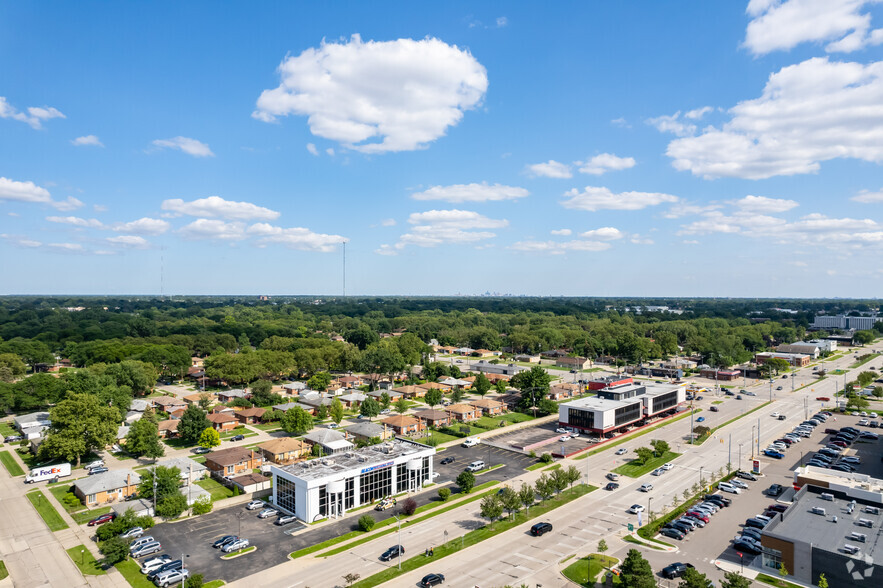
<point>850,507</point>
<point>827,496</point>
<point>865,523</point>
<point>817,510</point>
<point>860,537</point>
<point>872,510</point>
<point>850,549</point>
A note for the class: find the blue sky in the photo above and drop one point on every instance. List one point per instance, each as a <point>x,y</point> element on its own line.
<point>582,148</point>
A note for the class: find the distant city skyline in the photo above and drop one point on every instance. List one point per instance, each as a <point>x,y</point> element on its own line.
<point>727,149</point>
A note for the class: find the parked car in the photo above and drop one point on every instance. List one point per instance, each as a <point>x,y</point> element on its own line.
<point>133,533</point>
<point>774,454</point>
<point>285,520</point>
<point>471,442</point>
<point>540,529</point>
<point>675,570</point>
<point>672,533</point>
<point>98,470</point>
<point>13,438</point>
<point>746,547</point>
<point>255,504</point>
<point>475,466</point>
<point>235,546</point>
<point>775,490</point>
<point>175,564</point>
<point>738,484</point>
<point>695,514</point>
<point>100,520</point>
<point>560,430</point>
<point>201,450</point>
<point>392,552</point>
<point>723,500</point>
<point>756,523</point>
<point>172,577</point>
<point>636,508</point>
<point>680,526</point>
<point>155,562</point>
<point>447,460</point>
<point>98,463</point>
<point>146,549</point>
<point>141,541</point>
<point>725,487</point>
<point>267,513</point>
<point>237,438</point>
<point>432,580</point>
<point>225,540</point>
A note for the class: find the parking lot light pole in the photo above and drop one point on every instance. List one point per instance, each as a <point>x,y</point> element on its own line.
<point>399,521</point>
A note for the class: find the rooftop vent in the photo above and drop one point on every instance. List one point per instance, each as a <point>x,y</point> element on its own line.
<point>872,510</point>
<point>850,549</point>
<point>817,510</point>
<point>827,496</point>
<point>860,537</point>
<point>865,523</point>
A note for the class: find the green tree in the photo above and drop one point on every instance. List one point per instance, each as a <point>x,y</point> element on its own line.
<point>320,381</point>
<point>322,413</point>
<point>545,487</point>
<point>693,578</point>
<point>783,571</point>
<point>866,378</point>
<point>736,580</point>
<point>635,571</point>
<point>856,402</point>
<point>203,505</point>
<point>205,401</point>
<point>547,406</point>
<point>559,480</point>
<point>602,546</point>
<point>80,424</point>
<point>509,500</point>
<point>443,493</point>
<point>878,392</point>
<point>573,475</point>
<point>533,383</point>
<point>366,523</point>
<point>11,367</point>
<point>482,385</point>
<point>660,447</point>
<point>296,421</point>
<point>491,508</point>
<point>114,550</point>
<point>209,438</point>
<point>456,395</point>
<point>500,386</point>
<point>336,410</point>
<point>466,481</point>
<point>139,376</point>
<point>434,397</point>
<point>143,438</point>
<point>194,581</point>
<point>385,399</point>
<point>172,506</point>
<point>401,405</point>
<point>369,407</point>
<point>823,582</point>
<point>262,394</point>
<point>527,495</point>
<point>777,365</point>
<point>192,423</point>
<point>863,337</point>
<point>166,480</point>
<point>644,454</point>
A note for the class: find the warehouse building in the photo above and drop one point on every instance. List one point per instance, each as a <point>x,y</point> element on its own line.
<point>329,487</point>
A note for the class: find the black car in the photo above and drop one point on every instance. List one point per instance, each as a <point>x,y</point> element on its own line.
<point>680,526</point>
<point>540,528</point>
<point>237,438</point>
<point>392,552</point>
<point>13,439</point>
<point>713,408</point>
<point>730,393</point>
<point>746,547</point>
<point>172,565</point>
<point>775,490</point>
<point>753,533</point>
<point>719,499</point>
<point>432,580</point>
<point>675,570</point>
<point>446,461</point>
<point>672,533</point>
<point>224,541</point>
<point>611,486</point>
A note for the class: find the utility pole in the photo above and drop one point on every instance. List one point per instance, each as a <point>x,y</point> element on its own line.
<point>730,453</point>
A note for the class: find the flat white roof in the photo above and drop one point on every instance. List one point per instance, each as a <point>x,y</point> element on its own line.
<point>355,461</point>
<point>657,389</point>
<point>601,404</point>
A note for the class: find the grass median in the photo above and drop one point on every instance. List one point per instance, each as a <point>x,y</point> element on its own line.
<point>636,470</point>
<point>85,561</point>
<point>627,438</point>
<point>477,536</point>
<point>584,571</point>
<point>10,464</point>
<point>131,571</point>
<point>703,438</point>
<point>45,509</point>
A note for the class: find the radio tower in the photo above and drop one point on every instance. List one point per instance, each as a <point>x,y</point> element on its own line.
<point>344,269</point>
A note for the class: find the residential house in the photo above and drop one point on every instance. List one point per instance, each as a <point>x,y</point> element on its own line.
<point>367,431</point>
<point>223,422</point>
<point>484,353</point>
<point>229,395</point>
<point>403,424</point>
<point>488,407</point>
<point>122,433</point>
<point>233,461</point>
<point>512,401</point>
<point>250,416</point>
<point>167,429</point>
<point>527,358</point>
<point>289,405</point>
<point>39,420</point>
<point>195,398</point>
<point>349,381</point>
<point>329,440</point>
<point>139,405</point>
<point>464,412</point>
<point>177,413</point>
<point>444,349</point>
<point>112,486</point>
<point>435,418</point>
<point>411,391</point>
<point>463,350</point>
<point>562,391</point>
<point>427,386</point>
<point>252,482</point>
<point>352,399</point>
<point>463,384</point>
<point>554,353</point>
<point>315,399</point>
<point>393,395</point>
<point>168,403</point>
<point>221,409</point>
<point>294,388</point>
<point>574,363</point>
<point>488,368</point>
<point>284,450</point>
<point>191,471</point>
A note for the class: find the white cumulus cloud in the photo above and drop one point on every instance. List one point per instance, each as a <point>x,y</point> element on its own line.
<point>604,163</point>
<point>203,228</point>
<point>34,117</point>
<point>295,238</point>
<point>778,25</point>
<point>549,169</point>
<point>439,227</point>
<point>215,206</point>
<point>16,191</point>
<point>87,140</point>
<point>603,234</point>
<point>377,96</point>
<point>143,226</point>
<point>482,192</point>
<point>562,232</point>
<point>868,197</point>
<point>594,198</point>
<point>810,112</point>
<point>187,145</point>
<point>762,204</point>
<point>311,147</point>
<point>76,221</point>
<point>129,241</point>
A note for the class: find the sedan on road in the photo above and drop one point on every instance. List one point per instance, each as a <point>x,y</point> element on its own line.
<point>611,486</point>
<point>237,438</point>
<point>621,451</point>
<point>432,580</point>
<point>392,552</point>
<point>636,508</point>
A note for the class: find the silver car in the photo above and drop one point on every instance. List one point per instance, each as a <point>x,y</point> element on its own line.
<point>172,577</point>
<point>267,513</point>
<point>146,549</point>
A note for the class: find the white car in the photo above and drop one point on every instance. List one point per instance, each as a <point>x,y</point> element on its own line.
<point>725,487</point>
<point>575,434</point>
<point>235,546</point>
<point>776,415</point>
<point>621,451</point>
<point>646,487</point>
<point>636,508</point>
<point>667,466</point>
<point>98,463</point>
<point>560,430</point>
<point>255,504</point>
<point>132,533</point>
<point>565,438</point>
<point>155,562</point>
<point>471,442</point>
<point>738,484</point>
<point>172,577</point>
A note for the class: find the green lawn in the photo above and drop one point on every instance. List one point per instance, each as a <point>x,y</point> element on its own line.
<point>131,571</point>
<point>216,489</point>
<point>47,511</point>
<point>557,466</point>
<point>476,536</point>
<point>443,437</point>
<point>84,560</point>
<point>862,361</point>
<point>587,568</point>
<point>10,464</point>
<point>779,582</point>
<point>630,539</point>
<point>535,466</point>
<point>702,439</point>
<point>626,438</point>
<point>636,470</point>
<point>7,429</point>
<point>87,515</point>
<point>4,573</point>
<point>214,584</point>
<point>271,426</point>
<point>59,490</point>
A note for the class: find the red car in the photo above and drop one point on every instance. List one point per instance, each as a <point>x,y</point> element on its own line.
<point>698,515</point>
<point>823,398</point>
<point>105,518</point>
<point>839,444</point>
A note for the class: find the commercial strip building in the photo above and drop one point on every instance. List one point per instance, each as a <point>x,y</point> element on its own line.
<point>794,359</point>
<point>620,406</point>
<point>608,381</point>
<point>833,527</point>
<point>329,487</point>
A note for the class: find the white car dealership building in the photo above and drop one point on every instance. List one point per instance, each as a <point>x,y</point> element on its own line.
<point>330,486</point>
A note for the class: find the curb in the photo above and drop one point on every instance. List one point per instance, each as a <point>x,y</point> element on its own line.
<point>229,556</point>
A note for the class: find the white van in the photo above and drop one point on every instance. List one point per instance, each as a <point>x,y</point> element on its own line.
<point>475,466</point>
<point>728,488</point>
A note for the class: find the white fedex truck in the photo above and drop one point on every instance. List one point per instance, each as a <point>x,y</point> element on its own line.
<point>52,472</point>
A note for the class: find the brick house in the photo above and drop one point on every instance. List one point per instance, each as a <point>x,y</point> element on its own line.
<point>250,416</point>
<point>414,391</point>
<point>167,429</point>
<point>349,381</point>
<point>284,450</point>
<point>168,403</point>
<point>464,412</point>
<point>233,461</point>
<point>368,431</point>
<point>403,424</point>
<point>112,486</point>
<point>488,407</point>
<point>223,422</point>
<point>228,395</point>
<point>562,391</point>
<point>436,418</point>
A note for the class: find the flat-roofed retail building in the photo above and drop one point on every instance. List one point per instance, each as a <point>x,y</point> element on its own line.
<point>620,406</point>
<point>331,486</point>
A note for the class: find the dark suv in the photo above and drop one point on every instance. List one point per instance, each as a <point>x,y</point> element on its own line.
<point>675,570</point>
<point>540,528</point>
